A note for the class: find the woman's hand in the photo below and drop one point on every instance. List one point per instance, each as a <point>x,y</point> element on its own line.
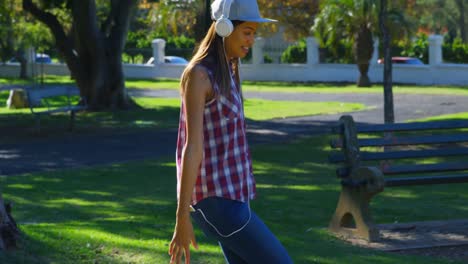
<point>181,240</point>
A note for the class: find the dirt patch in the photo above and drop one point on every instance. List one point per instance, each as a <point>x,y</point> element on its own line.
<point>445,239</point>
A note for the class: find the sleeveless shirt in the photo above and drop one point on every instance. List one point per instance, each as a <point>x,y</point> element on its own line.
<point>226,166</point>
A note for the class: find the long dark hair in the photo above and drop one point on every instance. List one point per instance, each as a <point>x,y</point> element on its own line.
<point>211,50</point>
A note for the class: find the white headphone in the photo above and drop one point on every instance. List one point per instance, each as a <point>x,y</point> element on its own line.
<point>223,25</point>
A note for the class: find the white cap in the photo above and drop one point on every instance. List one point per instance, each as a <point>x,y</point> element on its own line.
<point>243,10</point>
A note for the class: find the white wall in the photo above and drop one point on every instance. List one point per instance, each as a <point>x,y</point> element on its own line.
<point>10,70</point>
<point>435,73</point>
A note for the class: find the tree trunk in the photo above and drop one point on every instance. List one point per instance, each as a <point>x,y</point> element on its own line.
<point>9,232</point>
<point>461,20</point>
<point>363,49</point>
<point>389,116</point>
<point>363,80</point>
<point>93,54</point>
<point>23,64</point>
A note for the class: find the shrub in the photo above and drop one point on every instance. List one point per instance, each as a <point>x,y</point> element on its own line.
<point>418,48</point>
<point>180,46</point>
<point>295,53</point>
<point>456,52</point>
<point>267,59</point>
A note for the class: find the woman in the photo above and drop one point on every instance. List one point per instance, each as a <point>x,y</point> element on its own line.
<point>214,167</point>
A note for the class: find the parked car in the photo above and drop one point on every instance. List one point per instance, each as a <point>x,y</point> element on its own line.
<point>403,60</point>
<point>40,58</point>
<point>43,58</point>
<point>170,59</point>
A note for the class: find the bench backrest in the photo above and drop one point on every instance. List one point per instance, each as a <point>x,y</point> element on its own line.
<point>402,148</point>
<point>36,94</point>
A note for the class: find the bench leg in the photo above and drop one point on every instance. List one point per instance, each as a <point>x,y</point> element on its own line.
<point>352,217</point>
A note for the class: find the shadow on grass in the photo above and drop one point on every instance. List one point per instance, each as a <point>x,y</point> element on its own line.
<point>107,213</point>
<point>21,125</point>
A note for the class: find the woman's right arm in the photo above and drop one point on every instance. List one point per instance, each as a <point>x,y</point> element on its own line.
<point>195,94</point>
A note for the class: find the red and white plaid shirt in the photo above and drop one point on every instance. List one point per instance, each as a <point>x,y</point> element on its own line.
<point>226,166</point>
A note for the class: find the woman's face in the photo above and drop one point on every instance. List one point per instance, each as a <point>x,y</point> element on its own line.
<point>238,44</point>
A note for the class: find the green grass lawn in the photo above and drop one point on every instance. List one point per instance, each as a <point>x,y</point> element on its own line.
<point>154,113</point>
<point>272,86</point>
<point>163,113</point>
<point>124,213</point>
<point>284,87</point>
<point>463,115</point>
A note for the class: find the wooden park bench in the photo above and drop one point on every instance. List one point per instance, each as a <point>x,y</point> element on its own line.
<point>40,102</point>
<point>377,156</point>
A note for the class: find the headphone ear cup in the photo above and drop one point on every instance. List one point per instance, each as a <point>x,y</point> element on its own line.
<point>224,27</point>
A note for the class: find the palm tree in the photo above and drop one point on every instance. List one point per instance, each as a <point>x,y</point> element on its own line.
<point>354,20</point>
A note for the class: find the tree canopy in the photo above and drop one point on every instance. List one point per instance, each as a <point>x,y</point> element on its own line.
<point>297,16</point>
<point>19,31</point>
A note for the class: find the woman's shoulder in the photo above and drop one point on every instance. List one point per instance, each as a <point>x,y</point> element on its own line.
<point>198,73</point>
<point>198,78</point>
<point>199,69</point>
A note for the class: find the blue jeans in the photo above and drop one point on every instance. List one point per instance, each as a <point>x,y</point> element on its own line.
<point>253,244</point>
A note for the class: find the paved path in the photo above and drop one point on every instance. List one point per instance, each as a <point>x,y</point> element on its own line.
<point>407,106</point>
<point>86,150</point>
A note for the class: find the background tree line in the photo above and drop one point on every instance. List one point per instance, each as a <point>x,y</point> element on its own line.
<point>182,22</point>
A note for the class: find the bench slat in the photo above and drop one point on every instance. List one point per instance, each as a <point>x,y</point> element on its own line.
<point>336,157</point>
<point>414,140</point>
<point>417,168</point>
<point>426,180</point>
<point>62,109</point>
<point>451,124</point>
<point>408,181</point>
<point>414,154</point>
<point>343,172</point>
